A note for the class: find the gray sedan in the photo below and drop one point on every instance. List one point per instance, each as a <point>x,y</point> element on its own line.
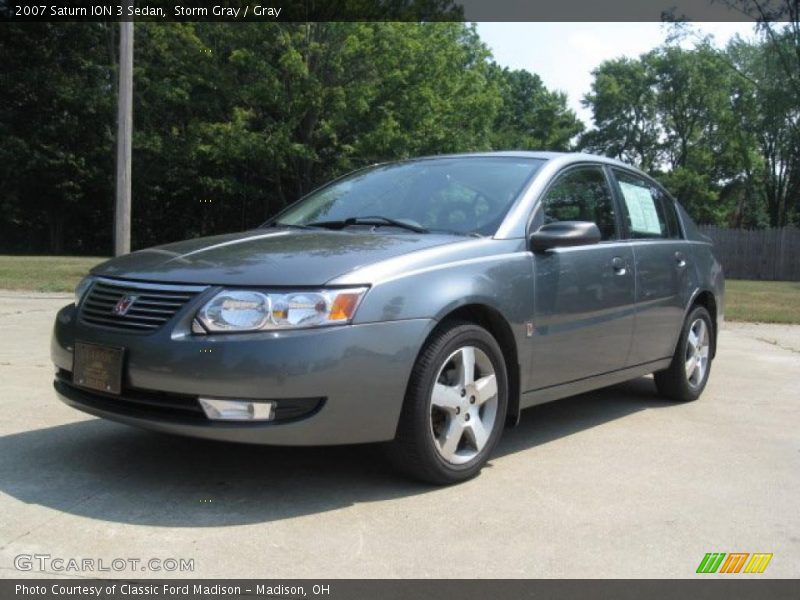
<point>421,303</point>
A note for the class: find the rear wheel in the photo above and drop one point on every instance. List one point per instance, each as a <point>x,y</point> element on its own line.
<point>455,406</point>
<point>686,377</point>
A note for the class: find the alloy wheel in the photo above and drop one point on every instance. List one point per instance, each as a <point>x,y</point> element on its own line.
<point>697,348</point>
<point>463,405</point>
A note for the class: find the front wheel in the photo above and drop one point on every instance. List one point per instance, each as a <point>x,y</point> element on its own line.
<point>455,406</point>
<point>686,377</point>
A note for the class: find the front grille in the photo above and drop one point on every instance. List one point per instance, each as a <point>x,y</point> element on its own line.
<point>152,305</point>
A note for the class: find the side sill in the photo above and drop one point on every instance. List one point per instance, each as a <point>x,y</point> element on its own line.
<point>580,386</point>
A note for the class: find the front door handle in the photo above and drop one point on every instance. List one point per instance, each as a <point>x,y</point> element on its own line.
<point>619,266</point>
<point>680,260</point>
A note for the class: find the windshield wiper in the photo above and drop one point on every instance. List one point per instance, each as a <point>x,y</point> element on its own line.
<point>291,225</point>
<point>371,220</point>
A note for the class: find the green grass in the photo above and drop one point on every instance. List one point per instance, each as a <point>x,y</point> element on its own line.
<point>762,301</point>
<point>44,273</point>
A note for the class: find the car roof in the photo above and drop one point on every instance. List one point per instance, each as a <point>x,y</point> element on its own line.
<point>562,157</point>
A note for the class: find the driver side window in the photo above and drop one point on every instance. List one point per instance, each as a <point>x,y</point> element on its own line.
<point>582,194</point>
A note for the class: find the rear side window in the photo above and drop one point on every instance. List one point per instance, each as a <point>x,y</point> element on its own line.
<point>581,194</point>
<point>648,211</point>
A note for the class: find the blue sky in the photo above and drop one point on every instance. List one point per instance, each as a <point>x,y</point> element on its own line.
<point>564,54</point>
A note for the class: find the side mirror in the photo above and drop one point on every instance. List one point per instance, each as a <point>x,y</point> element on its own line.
<point>564,233</point>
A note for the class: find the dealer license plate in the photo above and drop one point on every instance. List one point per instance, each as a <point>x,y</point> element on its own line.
<point>98,367</point>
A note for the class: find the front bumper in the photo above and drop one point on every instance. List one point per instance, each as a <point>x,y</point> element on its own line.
<point>336,385</point>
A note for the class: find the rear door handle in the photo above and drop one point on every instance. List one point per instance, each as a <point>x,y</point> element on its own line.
<point>619,266</point>
<point>680,260</point>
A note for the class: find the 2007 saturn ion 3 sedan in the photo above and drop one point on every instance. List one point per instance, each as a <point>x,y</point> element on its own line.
<point>423,303</point>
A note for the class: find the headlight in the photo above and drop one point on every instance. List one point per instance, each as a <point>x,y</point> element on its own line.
<point>82,287</point>
<point>245,310</point>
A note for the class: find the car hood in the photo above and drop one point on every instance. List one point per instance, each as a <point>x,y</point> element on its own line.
<point>270,257</point>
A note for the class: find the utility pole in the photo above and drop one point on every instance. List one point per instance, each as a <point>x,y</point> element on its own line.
<point>122,207</point>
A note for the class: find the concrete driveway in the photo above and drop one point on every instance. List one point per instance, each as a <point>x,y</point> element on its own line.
<point>616,483</point>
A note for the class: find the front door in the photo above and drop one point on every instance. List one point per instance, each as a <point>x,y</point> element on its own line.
<point>584,295</point>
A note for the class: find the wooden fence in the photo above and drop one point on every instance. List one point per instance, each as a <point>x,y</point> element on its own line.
<point>771,254</point>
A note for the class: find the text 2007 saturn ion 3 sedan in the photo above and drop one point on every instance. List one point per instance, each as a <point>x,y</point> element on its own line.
<point>422,303</point>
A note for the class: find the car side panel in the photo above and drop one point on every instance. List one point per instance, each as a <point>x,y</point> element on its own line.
<point>584,313</point>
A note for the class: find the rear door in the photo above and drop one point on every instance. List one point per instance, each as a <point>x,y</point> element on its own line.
<point>584,296</point>
<point>662,265</point>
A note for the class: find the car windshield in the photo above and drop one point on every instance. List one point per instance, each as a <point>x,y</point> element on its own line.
<point>466,195</point>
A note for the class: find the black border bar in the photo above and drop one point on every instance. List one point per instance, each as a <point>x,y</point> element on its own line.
<point>392,10</point>
<point>723,588</point>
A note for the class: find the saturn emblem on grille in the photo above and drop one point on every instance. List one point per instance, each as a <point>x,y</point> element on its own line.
<point>123,305</point>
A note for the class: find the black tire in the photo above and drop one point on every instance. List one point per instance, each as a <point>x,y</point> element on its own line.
<point>414,451</point>
<point>672,382</point>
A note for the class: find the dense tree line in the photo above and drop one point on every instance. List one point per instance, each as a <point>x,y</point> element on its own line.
<point>233,122</point>
<point>719,127</point>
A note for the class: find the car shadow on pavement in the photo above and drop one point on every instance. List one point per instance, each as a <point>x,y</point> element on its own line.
<point>554,420</point>
<point>102,470</point>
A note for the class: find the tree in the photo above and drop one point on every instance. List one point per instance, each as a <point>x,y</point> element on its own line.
<point>692,104</point>
<point>624,112</point>
<point>717,127</point>
<point>277,110</point>
<point>532,117</point>
<point>234,121</point>
<point>56,116</point>
<point>777,85</point>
